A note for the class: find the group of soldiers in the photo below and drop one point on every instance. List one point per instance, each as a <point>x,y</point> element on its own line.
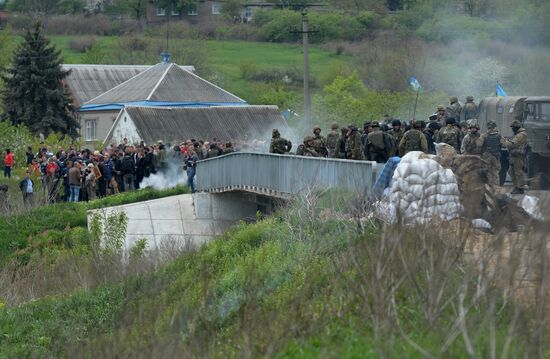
<point>454,125</point>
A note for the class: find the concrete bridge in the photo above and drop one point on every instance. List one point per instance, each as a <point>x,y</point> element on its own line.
<point>234,187</point>
<point>283,176</point>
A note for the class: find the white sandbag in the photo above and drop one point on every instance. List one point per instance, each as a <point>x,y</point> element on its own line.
<point>415,179</point>
<point>411,157</point>
<point>416,190</point>
<point>449,176</point>
<point>531,205</point>
<point>403,170</point>
<point>480,223</point>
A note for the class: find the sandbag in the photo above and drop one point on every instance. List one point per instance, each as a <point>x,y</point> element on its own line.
<point>411,157</point>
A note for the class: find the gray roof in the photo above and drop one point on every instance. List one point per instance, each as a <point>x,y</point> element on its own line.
<point>165,83</point>
<point>89,81</point>
<point>226,123</point>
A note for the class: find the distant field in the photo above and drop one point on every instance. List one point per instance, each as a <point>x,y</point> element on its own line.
<point>224,58</point>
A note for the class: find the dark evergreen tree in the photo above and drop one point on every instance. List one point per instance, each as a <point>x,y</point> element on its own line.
<point>34,93</point>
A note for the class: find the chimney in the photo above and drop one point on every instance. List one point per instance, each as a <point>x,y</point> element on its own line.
<point>165,57</point>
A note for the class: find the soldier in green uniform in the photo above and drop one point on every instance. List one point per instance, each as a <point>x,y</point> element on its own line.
<point>441,115</point>
<point>307,148</point>
<point>492,143</point>
<point>397,132</point>
<point>319,142</point>
<point>517,146</point>
<point>332,140</point>
<point>353,144</point>
<point>454,110</point>
<point>469,111</point>
<point>341,144</point>
<point>449,134</point>
<point>413,140</point>
<point>279,144</point>
<point>473,143</point>
<point>380,145</point>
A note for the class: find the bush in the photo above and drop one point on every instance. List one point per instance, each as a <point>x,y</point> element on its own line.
<point>466,26</point>
<point>82,44</point>
<point>78,25</point>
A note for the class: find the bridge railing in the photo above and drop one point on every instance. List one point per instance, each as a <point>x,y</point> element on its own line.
<point>284,175</point>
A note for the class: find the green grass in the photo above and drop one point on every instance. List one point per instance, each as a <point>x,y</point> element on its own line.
<point>60,225</point>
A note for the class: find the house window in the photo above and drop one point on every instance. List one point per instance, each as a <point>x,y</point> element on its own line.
<point>175,13</point>
<point>248,12</point>
<point>90,127</point>
<point>192,11</point>
<point>161,11</point>
<point>216,8</point>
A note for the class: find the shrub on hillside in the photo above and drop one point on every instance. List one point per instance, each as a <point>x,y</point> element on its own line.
<point>454,28</point>
<point>78,25</point>
<point>82,44</point>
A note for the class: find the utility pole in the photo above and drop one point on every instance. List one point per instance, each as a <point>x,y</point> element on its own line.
<point>305,40</point>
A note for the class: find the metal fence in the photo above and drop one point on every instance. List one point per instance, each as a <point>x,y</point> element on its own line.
<point>283,175</point>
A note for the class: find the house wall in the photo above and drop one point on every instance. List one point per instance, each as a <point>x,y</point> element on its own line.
<point>204,13</point>
<point>125,128</point>
<point>104,121</point>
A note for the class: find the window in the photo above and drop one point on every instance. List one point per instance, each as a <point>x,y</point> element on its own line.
<point>545,111</point>
<point>248,12</point>
<point>216,8</point>
<point>192,11</point>
<point>90,130</point>
<point>175,12</point>
<point>161,11</point>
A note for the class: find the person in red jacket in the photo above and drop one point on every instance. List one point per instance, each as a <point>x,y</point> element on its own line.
<point>8,163</point>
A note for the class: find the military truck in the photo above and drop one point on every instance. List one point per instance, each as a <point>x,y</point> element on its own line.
<point>534,114</point>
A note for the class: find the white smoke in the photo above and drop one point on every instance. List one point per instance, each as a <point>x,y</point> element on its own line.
<point>168,177</point>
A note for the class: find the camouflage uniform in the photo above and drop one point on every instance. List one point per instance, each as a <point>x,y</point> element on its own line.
<point>397,136</point>
<point>472,144</point>
<point>470,110</point>
<point>413,140</point>
<point>307,148</point>
<point>341,144</point>
<point>492,143</point>
<point>379,146</point>
<point>278,144</point>
<point>441,116</point>
<point>449,135</point>
<point>332,140</point>
<point>454,110</point>
<point>353,144</point>
<point>319,143</point>
<point>517,147</point>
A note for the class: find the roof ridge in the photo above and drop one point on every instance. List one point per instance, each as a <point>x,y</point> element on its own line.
<point>159,82</point>
<point>121,84</point>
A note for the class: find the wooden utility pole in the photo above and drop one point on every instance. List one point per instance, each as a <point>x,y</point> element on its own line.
<point>305,41</point>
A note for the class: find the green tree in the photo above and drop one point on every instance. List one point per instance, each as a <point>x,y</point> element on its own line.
<point>34,94</point>
<point>232,8</point>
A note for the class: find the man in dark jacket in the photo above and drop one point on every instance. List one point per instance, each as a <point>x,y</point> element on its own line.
<point>430,132</point>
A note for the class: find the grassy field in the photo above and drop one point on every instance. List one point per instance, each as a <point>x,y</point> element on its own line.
<point>225,57</point>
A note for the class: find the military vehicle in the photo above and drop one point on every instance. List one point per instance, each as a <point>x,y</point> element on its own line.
<point>534,114</point>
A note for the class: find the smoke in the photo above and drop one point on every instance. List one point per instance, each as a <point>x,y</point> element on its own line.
<point>168,177</point>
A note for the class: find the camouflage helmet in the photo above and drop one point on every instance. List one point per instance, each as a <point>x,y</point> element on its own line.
<point>396,123</point>
<point>470,99</point>
<point>315,128</point>
<point>515,124</point>
<point>440,108</point>
<point>275,133</point>
<point>374,124</point>
<point>307,139</point>
<point>491,125</point>
<point>453,99</point>
<point>472,123</point>
<point>463,124</point>
<point>334,126</point>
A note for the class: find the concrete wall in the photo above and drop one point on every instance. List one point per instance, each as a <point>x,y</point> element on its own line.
<point>183,219</point>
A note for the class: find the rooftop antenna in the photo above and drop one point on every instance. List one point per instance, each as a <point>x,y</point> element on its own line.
<point>165,54</point>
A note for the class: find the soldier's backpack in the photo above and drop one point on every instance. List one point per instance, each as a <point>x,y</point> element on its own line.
<point>413,141</point>
<point>448,135</point>
<point>332,140</point>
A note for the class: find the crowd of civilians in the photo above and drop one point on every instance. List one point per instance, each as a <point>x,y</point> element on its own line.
<point>73,175</point>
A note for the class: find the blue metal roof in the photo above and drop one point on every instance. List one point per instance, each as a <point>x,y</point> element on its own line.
<point>119,106</point>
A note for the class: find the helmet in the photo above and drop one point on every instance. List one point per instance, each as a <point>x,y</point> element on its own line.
<point>334,126</point>
<point>276,133</point>
<point>375,124</point>
<point>463,124</point>
<point>515,124</point>
<point>491,124</point>
<point>316,128</point>
<point>367,124</point>
<point>352,127</point>
<point>396,123</point>
<point>307,139</point>
<point>416,124</point>
<point>434,126</point>
<point>453,99</point>
<point>470,98</point>
<point>473,123</point>
<point>450,121</point>
<point>440,108</point>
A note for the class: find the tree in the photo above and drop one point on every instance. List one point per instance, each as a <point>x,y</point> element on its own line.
<point>34,94</point>
<point>232,8</point>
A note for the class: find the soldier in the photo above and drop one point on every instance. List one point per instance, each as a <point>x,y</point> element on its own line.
<point>397,133</point>
<point>470,109</point>
<point>341,145</point>
<point>413,140</point>
<point>455,109</point>
<point>441,114</point>
<point>449,134</point>
<point>353,144</point>
<point>473,143</point>
<point>307,148</point>
<point>278,144</point>
<point>379,146</point>
<point>319,142</point>
<point>517,147</point>
<point>493,142</point>
<point>430,133</point>
<point>332,140</point>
